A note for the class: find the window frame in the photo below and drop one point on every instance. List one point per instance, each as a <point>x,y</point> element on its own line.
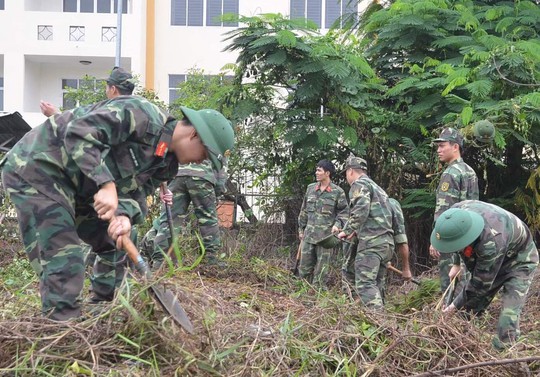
<point>175,79</point>
<point>2,93</point>
<point>196,12</point>
<point>77,6</point>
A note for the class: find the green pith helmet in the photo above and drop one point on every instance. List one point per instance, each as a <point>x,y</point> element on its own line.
<point>329,242</point>
<point>484,131</point>
<point>456,229</point>
<point>215,131</point>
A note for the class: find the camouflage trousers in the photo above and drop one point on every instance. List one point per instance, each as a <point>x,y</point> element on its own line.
<point>445,264</point>
<point>315,264</point>
<point>513,287</point>
<point>186,190</point>
<point>53,241</point>
<point>369,272</point>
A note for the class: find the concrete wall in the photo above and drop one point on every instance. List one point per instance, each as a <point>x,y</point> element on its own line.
<point>33,68</point>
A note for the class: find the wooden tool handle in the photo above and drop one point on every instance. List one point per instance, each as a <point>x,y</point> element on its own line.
<point>133,254</point>
<point>392,268</point>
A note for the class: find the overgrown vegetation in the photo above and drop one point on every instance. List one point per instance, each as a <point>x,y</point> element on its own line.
<point>253,318</point>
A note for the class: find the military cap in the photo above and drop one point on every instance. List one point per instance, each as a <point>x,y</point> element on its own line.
<point>122,79</point>
<point>354,162</point>
<point>456,229</point>
<point>215,131</point>
<point>450,134</point>
<point>484,131</point>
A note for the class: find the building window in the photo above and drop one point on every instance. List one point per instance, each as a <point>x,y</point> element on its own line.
<point>104,6</point>
<point>87,6</point>
<point>68,85</point>
<point>45,33</point>
<point>193,12</point>
<point>308,9</point>
<point>76,33</point>
<point>174,82</point>
<point>72,84</point>
<point>1,93</point>
<point>108,34</point>
<point>339,11</point>
<point>187,12</point>
<point>215,9</point>
<point>70,5</point>
<point>93,6</point>
<point>2,6</point>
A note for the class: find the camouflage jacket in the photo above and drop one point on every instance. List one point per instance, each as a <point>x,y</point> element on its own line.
<point>71,154</point>
<point>505,247</point>
<point>370,214</point>
<point>458,182</point>
<point>398,222</point>
<point>321,210</point>
<point>206,171</point>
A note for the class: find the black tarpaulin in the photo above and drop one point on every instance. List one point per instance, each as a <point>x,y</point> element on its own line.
<point>12,128</point>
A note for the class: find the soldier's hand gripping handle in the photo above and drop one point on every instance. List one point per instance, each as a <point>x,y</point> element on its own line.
<point>106,201</point>
<point>116,229</point>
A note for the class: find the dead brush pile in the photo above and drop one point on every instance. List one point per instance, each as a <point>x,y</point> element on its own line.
<point>253,318</point>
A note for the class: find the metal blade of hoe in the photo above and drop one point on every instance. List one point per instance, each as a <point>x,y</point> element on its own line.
<point>165,296</point>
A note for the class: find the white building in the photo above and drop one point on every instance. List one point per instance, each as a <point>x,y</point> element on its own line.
<point>46,45</point>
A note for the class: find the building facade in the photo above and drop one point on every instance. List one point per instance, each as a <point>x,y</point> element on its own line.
<point>46,45</point>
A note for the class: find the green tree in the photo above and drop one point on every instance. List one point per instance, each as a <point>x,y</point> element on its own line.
<point>307,96</point>
<point>92,90</point>
<point>453,63</point>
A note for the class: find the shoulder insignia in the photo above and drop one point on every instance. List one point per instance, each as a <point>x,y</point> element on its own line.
<point>445,186</point>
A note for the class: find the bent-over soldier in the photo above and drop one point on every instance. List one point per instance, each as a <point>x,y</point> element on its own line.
<point>200,183</point>
<point>499,251</point>
<point>84,175</point>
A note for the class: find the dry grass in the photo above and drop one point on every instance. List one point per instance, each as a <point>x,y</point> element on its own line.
<point>254,319</point>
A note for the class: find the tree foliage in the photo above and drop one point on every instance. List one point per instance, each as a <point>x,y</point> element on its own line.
<point>384,89</point>
<point>456,62</point>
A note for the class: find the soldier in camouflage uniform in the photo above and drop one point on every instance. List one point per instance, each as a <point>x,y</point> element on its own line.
<point>400,242</point>
<point>458,182</point>
<point>400,238</point>
<point>119,83</point>
<point>370,221</point>
<point>198,183</point>
<point>499,251</point>
<point>324,211</point>
<point>84,175</point>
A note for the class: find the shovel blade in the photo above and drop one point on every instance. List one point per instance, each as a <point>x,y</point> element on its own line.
<point>170,303</point>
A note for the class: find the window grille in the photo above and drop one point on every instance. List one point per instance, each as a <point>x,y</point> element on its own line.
<point>45,33</point>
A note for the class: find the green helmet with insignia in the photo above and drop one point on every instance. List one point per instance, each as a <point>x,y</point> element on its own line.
<point>216,133</point>
<point>329,242</point>
<point>455,229</point>
<point>484,131</point>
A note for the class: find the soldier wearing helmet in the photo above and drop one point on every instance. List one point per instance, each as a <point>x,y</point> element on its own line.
<point>458,182</point>
<point>499,251</point>
<point>84,175</point>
